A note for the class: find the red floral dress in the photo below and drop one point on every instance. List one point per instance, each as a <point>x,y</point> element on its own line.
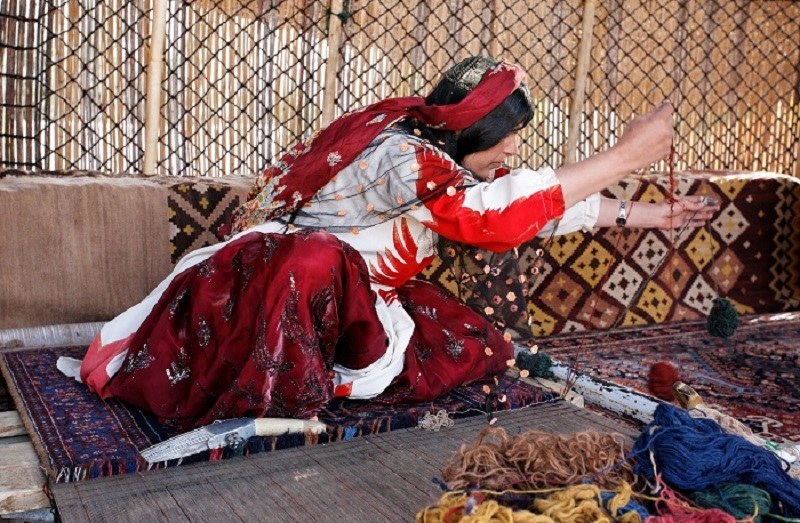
<point>321,303</point>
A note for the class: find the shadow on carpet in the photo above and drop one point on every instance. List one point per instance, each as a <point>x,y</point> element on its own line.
<point>79,436</point>
<point>753,376</point>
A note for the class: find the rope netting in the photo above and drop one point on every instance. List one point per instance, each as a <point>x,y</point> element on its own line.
<point>244,79</point>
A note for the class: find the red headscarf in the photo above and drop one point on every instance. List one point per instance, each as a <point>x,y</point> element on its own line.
<point>288,185</point>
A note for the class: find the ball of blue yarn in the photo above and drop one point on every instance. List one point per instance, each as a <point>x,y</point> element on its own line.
<point>737,499</point>
<point>694,454</point>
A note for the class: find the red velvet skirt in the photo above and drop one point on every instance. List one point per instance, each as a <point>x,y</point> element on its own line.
<point>255,330</point>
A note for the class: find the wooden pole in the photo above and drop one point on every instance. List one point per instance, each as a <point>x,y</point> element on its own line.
<point>334,61</point>
<point>581,72</point>
<point>495,49</point>
<point>152,119</point>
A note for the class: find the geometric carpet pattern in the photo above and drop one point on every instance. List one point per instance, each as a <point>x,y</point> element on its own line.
<point>611,277</point>
<point>196,211</point>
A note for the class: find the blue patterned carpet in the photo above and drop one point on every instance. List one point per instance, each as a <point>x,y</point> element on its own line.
<point>78,436</point>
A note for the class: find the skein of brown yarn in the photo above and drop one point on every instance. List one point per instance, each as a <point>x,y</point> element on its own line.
<point>537,460</point>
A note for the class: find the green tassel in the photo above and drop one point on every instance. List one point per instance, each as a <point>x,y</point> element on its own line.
<point>537,364</point>
<point>722,320</point>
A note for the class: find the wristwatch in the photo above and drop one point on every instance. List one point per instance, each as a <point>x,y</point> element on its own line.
<point>622,214</point>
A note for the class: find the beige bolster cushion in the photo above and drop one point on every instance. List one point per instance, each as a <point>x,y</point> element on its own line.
<point>85,248</point>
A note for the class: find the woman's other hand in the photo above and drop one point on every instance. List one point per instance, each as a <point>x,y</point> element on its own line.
<point>646,139</point>
<point>686,211</point>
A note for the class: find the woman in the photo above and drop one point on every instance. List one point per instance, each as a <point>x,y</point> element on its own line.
<point>314,296</point>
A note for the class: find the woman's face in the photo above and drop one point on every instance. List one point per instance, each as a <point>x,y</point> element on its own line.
<point>484,163</point>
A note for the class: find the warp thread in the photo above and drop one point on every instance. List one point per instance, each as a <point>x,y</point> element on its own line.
<point>693,454</point>
<point>689,399</point>
<point>538,459</point>
<point>575,504</point>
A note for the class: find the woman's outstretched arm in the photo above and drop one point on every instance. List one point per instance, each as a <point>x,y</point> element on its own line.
<point>686,211</point>
<point>646,140</point>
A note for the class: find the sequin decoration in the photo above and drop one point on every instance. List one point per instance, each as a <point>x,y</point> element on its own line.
<point>203,332</point>
<point>290,320</point>
<point>178,302</point>
<point>334,158</point>
<point>427,311</point>
<point>179,369</point>
<point>139,360</point>
<point>454,347</point>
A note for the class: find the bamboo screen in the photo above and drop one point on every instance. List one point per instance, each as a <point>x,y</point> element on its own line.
<point>244,79</point>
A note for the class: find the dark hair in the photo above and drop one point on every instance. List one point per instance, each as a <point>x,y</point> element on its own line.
<point>514,113</point>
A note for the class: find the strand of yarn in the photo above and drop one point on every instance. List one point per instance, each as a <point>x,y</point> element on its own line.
<point>585,503</point>
<point>671,508</point>
<point>739,500</point>
<point>436,421</point>
<point>537,459</point>
<point>696,453</point>
<point>455,507</point>
<point>575,504</point>
<point>732,425</point>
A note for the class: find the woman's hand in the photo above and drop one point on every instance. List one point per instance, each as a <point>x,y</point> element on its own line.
<point>646,139</point>
<point>686,211</point>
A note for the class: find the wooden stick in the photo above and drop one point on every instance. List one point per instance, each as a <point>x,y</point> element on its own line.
<point>581,72</point>
<point>50,335</point>
<point>495,48</point>
<point>334,60</point>
<point>21,480</point>
<point>11,425</point>
<point>152,120</point>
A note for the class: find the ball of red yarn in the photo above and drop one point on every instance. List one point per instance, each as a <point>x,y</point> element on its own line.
<point>660,379</point>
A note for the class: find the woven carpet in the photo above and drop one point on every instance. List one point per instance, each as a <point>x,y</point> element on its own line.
<point>78,436</point>
<point>749,253</point>
<point>754,375</point>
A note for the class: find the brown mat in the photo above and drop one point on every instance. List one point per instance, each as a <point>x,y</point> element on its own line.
<point>85,248</point>
<point>386,477</point>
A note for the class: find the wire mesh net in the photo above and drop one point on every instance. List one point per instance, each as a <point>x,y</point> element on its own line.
<point>73,76</point>
<point>244,79</point>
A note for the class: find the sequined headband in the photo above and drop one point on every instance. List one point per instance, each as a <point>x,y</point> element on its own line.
<point>468,73</point>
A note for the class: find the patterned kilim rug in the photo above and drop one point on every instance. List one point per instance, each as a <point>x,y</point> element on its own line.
<point>753,376</point>
<point>78,436</point>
